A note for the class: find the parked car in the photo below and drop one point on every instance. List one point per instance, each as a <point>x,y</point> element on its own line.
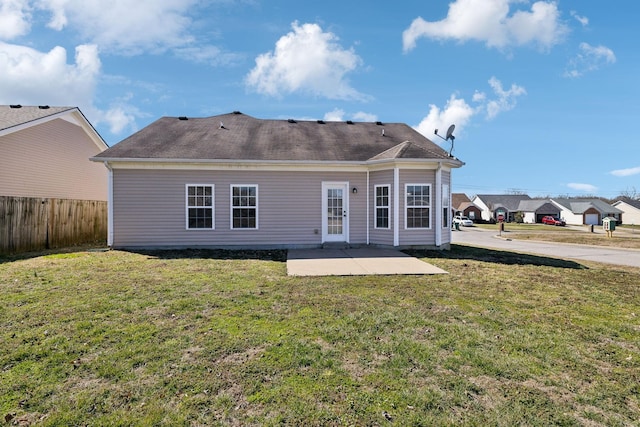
<point>462,220</point>
<point>550,220</point>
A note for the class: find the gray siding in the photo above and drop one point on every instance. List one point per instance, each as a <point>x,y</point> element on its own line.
<point>149,208</point>
<point>51,160</point>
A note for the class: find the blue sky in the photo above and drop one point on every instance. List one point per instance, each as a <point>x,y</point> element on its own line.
<point>543,94</point>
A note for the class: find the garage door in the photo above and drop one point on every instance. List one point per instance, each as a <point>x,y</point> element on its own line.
<point>591,219</point>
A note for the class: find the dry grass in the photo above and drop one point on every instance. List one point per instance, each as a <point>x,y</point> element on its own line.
<point>221,338</point>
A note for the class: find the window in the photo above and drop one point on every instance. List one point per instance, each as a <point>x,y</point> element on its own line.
<point>244,206</point>
<point>418,205</point>
<point>199,206</point>
<point>445,206</point>
<point>382,206</point>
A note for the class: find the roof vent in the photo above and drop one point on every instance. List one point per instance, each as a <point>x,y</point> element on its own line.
<point>382,132</point>
<point>15,106</point>
<point>379,123</point>
<point>291,121</point>
<point>237,112</point>
<point>183,118</point>
<point>349,122</point>
<point>43,107</point>
<point>222,126</point>
<point>320,122</point>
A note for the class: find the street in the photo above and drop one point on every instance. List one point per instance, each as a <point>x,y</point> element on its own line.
<point>475,236</point>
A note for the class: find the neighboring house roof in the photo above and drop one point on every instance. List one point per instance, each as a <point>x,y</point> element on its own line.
<point>631,202</point>
<point>580,206</point>
<point>511,202</point>
<point>16,117</point>
<point>535,205</point>
<point>458,199</point>
<point>236,136</point>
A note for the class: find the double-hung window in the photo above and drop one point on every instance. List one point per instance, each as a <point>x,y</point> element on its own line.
<point>199,206</point>
<point>445,205</point>
<point>382,204</point>
<point>417,205</point>
<point>244,206</point>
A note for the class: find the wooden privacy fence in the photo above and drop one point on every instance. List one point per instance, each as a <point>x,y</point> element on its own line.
<point>29,224</point>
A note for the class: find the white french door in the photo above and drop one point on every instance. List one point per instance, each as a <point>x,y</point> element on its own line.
<point>335,211</point>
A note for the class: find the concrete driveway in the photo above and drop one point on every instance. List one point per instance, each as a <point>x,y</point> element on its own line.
<point>474,236</point>
<point>355,262</point>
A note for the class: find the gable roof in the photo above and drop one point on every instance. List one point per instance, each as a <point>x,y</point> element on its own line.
<point>236,136</point>
<point>580,206</point>
<point>631,202</point>
<point>536,205</point>
<point>17,117</point>
<point>508,201</point>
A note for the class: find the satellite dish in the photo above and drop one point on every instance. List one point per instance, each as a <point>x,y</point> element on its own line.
<point>449,136</point>
<point>450,133</point>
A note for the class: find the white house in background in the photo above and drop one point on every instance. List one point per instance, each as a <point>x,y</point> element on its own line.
<point>45,151</point>
<point>630,210</point>
<point>236,181</point>
<point>585,211</point>
<point>499,207</point>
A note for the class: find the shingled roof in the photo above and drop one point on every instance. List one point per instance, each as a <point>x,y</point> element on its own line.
<point>237,136</point>
<point>15,115</point>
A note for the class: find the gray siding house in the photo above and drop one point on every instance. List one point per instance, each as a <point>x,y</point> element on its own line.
<point>235,181</point>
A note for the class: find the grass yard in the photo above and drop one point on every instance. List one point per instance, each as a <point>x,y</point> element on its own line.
<point>198,338</point>
<point>624,237</point>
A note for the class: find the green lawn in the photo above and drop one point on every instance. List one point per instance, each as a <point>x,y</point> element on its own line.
<point>221,338</point>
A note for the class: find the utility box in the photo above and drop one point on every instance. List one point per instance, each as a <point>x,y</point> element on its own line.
<point>609,224</point>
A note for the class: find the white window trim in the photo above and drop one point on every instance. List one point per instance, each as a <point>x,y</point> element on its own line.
<point>231,207</point>
<point>406,207</point>
<point>376,207</point>
<point>186,206</point>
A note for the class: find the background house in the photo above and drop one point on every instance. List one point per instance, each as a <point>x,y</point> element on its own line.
<point>630,210</point>
<point>462,205</point>
<point>51,194</point>
<point>533,210</point>
<point>45,152</point>
<point>496,207</point>
<point>585,211</point>
<point>237,181</point>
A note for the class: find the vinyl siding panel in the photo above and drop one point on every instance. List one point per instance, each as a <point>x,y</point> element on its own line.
<point>51,160</point>
<point>149,208</point>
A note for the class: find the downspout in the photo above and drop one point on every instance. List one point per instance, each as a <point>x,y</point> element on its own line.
<point>368,213</point>
<point>109,205</point>
<point>396,206</point>
<point>438,204</point>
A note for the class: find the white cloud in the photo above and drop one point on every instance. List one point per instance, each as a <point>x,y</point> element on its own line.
<point>506,99</point>
<point>306,60</point>
<point>626,172</point>
<point>124,26</point>
<point>589,58</point>
<point>365,117</point>
<point>581,19</point>
<point>456,111</point>
<point>38,78</point>
<point>585,188</point>
<point>490,21</point>
<point>336,115</point>
<point>15,18</point>
<point>31,77</point>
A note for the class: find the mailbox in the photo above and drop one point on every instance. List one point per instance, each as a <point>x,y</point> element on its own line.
<point>609,224</point>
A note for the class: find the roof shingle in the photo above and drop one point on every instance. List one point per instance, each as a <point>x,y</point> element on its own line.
<point>237,136</point>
